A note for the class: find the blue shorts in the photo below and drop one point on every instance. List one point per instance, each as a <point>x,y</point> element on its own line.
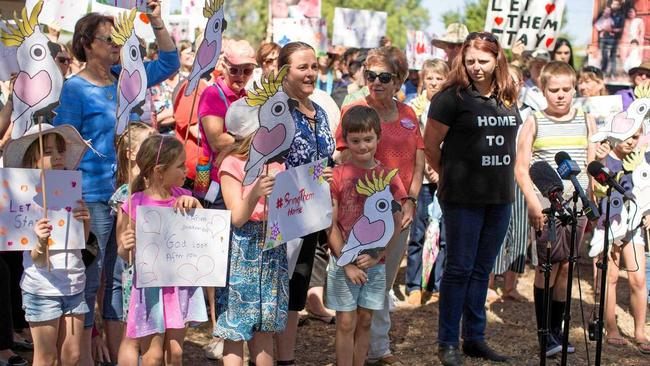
<point>44,308</point>
<point>343,295</point>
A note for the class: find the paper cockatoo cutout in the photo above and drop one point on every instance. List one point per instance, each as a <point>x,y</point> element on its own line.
<point>208,52</point>
<point>618,218</point>
<point>277,127</point>
<point>38,84</point>
<point>132,83</point>
<point>639,169</point>
<point>375,227</point>
<point>624,124</point>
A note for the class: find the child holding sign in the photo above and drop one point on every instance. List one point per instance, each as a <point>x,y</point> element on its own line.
<point>254,303</point>
<point>357,288</point>
<point>158,316</point>
<point>53,281</point>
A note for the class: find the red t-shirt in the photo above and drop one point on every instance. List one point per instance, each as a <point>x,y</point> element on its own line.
<point>182,106</point>
<point>350,202</point>
<point>399,142</point>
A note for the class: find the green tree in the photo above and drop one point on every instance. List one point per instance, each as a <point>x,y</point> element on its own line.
<point>473,15</point>
<point>247,20</point>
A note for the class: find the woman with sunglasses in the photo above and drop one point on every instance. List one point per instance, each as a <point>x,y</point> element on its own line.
<point>475,119</point>
<point>89,103</point>
<point>401,146</point>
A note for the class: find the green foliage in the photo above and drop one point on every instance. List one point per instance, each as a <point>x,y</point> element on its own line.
<point>247,20</point>
<point>473,15</point>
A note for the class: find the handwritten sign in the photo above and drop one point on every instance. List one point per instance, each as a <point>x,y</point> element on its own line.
<point>300,204</point>
<point>176,249</point>
<point>534,22</point>
<point>142,26</point>
<point>141,5</point>
<point>21,207</point>
<point>420,49</point>
<point>312,31</point>
<point>358,28</point>
<point>295,9</point>
<point>60,13</point>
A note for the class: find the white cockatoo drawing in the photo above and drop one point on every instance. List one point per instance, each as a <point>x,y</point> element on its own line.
<point>38,84</point>
<point>375,227</point>
<point>624,124</point>
<point>638,170</point>
<point>618,218</point>
<point>277,128</point>
<point>132,83</point>
<point>208,52</point>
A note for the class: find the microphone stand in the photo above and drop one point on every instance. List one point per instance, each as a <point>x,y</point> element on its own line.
<point>573,259</point>
<point>603,280</point>
<point>546,269</point>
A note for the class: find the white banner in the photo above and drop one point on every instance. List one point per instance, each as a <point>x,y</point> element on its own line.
<point>312,31</point>
<point>142,25</point>
<point>358,28</point>
<point>536,23</point>
<point>60,13</point>
<point>21,207</point>
<point>176,249</point>
<point>300,204</point>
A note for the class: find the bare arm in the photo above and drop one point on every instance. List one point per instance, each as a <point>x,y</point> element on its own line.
<point>335,237</point>
<point>216,138</point>
<point>434,134</point>
<point>522,165</point>
<point>242,208</point>
<point>125,234</point>
<point>163,39</point>
<point>5,116</point>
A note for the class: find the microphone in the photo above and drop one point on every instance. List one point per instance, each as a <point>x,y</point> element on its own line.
<point>605,176</point>
<point>549,184</point>
<point>569,169</point>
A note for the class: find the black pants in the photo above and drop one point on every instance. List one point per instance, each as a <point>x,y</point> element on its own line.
<point>6,325</point>
<point>14,262</point>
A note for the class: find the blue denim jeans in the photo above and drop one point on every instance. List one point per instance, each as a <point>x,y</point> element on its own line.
<point>474,234</point>
<point>102,224</point>
<point>416,239</point>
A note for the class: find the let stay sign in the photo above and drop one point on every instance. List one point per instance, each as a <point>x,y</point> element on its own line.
<point>536,23</point>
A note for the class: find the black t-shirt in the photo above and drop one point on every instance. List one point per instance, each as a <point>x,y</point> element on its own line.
<point>478,152</point>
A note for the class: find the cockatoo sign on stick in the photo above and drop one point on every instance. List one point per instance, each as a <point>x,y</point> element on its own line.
<point>37,87</point>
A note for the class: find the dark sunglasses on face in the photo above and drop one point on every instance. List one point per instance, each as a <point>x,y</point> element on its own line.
<point>234,71</point>
<point>598,72</point>
<point>64,60</point>
<point>384,77</point>
<point>107,39</point>
<point>486,36</point>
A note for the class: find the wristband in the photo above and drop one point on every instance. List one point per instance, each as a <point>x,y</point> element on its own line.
<point>161,27</point>
<point>412,199</point>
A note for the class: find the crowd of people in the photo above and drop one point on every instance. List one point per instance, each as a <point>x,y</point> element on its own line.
<point>460,186</point>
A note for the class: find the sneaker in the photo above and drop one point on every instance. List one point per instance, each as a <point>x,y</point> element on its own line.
<point>558,338</point>
<point>214,350</point>
<point>553,347</point>
<point>392,301</point>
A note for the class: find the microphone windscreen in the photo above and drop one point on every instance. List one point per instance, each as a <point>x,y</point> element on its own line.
<point>561,156</point>
<point>595,169</point>
<point>545,178</point>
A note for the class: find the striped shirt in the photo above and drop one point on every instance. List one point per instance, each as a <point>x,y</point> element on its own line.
<point>570,136</point>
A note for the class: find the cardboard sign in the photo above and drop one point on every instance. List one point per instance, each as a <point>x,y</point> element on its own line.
<point>21,207</point>
<point>311,31</point>
<point>536,23</point>
<point>300,204</point>
<point>358,28</point>
<point>142,26</point>
<point>140,5</point>
<point>60,13</point>
<point>176,249</point>
<point>600,107</point>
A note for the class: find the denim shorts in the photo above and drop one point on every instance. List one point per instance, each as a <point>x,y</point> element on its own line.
<point>343,295</point>
<point>44,308</point>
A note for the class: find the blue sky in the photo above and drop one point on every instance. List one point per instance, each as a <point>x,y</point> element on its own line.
<point>578,17</point>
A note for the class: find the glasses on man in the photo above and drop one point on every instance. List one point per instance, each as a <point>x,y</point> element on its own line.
<point>486,36</point>
<point>384,77</point>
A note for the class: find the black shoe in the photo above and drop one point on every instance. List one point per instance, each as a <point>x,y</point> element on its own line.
<point>450,356</point>
<point>553,346</point>
<point>480,349</point>
<point>558,339</point>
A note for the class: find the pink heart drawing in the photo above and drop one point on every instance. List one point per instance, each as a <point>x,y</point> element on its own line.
<point>130,84</point>
<point>145,262</point>
<point>192,273</point>
<point>151,222</point>
<point>68,208</point>
<point>33,89</point>
<point>367,232</point>
<point>10,243</point>
<point>266,141</point>
<point>73,183</point>
<point>206,52</point>
<point>622,124</point>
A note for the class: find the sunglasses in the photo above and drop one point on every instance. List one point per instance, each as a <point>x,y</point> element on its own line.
<point>107,39</point>
<point>234,71</point>
<point>594,70</point>
<point>486,36</point>
<point>64,60</point>
<point>384,77</point>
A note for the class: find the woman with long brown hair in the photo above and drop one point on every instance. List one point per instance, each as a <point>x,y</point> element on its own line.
<point>476,117</point>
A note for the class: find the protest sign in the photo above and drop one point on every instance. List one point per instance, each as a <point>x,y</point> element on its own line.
<point>300,204</point>
<point>140,5</point>
<point>295,9</point>
<point>420,49</point>
<point>60,13</point>
<point>536,23</point>
<point>311,31</point>
<point>600,107</point>
<point>176,249</point>
<point>179,28</point>
<point>142,26</point>
<point>21,207</point>
<point>8,59</point>
<point>358,28</point>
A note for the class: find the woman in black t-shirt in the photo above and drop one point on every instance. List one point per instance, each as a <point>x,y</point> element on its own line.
<point>476,118</point>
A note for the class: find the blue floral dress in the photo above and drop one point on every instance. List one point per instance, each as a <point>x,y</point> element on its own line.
<point>310,144</point>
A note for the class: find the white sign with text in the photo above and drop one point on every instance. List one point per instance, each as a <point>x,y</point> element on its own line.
<point>358,28</point>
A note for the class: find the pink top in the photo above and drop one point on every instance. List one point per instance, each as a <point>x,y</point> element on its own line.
<point>141,199</point>
<point>234,166</point>
<point>212,103</point>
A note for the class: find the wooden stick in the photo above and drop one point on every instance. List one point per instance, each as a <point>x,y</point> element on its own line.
<point>43,189</point>
<point>189,121</point>
<point>266,211</point>
<point>128,183</point>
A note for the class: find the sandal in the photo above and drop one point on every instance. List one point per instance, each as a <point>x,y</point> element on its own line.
<point>14,360</point>
<point>514,296</point>
<point>323,318</point>
<point>386,360</point>
<point>616,341</point>
<point>643,347</point>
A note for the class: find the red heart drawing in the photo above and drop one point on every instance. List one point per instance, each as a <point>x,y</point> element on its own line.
<point>32,89</point>
<point>144,18</point>
<point>73,183</point>
<point>498,20</point>
<point>367,232</point>
<point>10,243</point>
<point>420,48</point>
<point>549,8</point>
<point>549,42</point>
<point>265,140</point>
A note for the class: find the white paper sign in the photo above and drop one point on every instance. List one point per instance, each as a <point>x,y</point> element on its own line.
<point>300,204</point>
<point>536,23</point>
<point>21,207</point>
<point>312,31</point>
<point>141,5</point>
<point>8,59</point>
<point>61,13</point>
<point>176,249</point>
<point>600,107</point>
<point>142,26</point>
<point>420,49</point>
<point>358,28</point>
